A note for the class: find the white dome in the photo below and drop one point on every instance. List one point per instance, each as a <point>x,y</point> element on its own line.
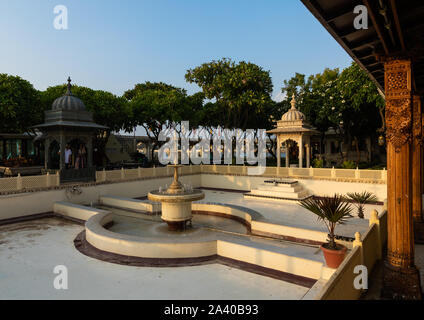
<point>293,114</point>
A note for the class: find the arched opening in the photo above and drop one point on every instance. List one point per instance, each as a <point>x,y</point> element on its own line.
<point>54,155</point>
<point>79,153</point>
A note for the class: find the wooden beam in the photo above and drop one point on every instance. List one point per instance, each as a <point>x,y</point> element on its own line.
<point>397,23</point>
<point>376,26</point>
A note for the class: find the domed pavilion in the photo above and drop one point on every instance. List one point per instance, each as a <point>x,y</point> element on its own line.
<point>293,126</point>
<point>69,123</point>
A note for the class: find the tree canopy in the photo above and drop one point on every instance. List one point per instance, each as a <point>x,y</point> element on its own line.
<point>347,101</point>
<point>20,106</point>
<point>242,91</point>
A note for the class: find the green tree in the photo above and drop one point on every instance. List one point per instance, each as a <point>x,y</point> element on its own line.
<point>241,91</point>
<point>108,110</point>
<point>360,106</point>
<point>20,106</point>
<point>159,106</point>
<point>347,101</point>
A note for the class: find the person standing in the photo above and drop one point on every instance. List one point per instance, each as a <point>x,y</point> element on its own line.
<point>68,154</point>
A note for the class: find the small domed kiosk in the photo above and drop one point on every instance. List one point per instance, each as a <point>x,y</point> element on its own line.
<point>293,126</point>
<point>69,123</point>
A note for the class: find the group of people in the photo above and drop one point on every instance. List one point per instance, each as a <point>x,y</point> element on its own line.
<point>81,158</point>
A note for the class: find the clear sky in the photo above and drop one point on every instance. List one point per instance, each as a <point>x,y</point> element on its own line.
<point>112,45</point>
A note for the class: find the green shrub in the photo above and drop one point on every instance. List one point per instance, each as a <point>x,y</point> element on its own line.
<point>318,163</point>
<point>349,165</point>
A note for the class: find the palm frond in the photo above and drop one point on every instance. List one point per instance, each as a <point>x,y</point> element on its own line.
<point>333,210</point>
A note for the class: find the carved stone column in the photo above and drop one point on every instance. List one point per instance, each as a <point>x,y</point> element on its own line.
<point>46,153</point>
<point>278,151</point>
<point>308,155</point>
<point>90,152</point>
<point>287,154</point>
<point>300,152</point>
<point>62,150</point>
<point>401,277</point>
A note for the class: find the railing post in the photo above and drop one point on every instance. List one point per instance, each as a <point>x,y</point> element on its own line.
<point>357,173</point>
<point>122,173</point>
<point>311,171</point>
<point>57,179</point>
<point>333,173</point>
<point>384,174</point>
<point>48,180</point>
<point>375,220</point>
<point>19,182</point>
<point>358,243</point>
<point>139,172</point>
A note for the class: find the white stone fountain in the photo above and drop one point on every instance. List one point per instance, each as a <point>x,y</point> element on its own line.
<point>176,202</point>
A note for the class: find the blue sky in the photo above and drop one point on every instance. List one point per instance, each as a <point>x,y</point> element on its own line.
<point>111,45</point>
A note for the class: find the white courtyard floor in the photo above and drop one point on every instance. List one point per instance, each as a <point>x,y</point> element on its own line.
<point>29,251</point>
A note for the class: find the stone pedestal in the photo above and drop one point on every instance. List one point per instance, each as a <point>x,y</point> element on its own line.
<point>401,283</point>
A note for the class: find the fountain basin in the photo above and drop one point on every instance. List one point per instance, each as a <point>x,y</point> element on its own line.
<point>176,208</point>
<point>176,203</point>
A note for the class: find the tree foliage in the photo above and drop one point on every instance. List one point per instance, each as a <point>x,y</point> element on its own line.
<point>20,106</point>
<point>241,91</point>
<point>346,101</point>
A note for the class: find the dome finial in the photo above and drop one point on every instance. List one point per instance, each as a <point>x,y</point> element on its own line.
<point>293,102</point>
<point>68,91</point>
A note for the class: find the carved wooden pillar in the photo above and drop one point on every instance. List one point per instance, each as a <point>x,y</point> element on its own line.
<point>416,159</point>
<point>401,277</point>
<point>417,169</point>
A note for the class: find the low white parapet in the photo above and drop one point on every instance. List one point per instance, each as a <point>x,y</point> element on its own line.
<point>131,204</point>
<point>76,211</point>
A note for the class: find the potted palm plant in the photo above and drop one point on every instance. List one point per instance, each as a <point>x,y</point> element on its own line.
<point>332,211</point>
<point>360,199</point>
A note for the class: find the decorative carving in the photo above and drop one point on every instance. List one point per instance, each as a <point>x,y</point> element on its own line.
<point>395,81</point>
<point>417,121</point>
<point>399,259</point>
<point>398,122</point>
<point>398,103</point>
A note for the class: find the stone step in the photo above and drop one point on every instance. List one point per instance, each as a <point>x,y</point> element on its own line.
<point>292,195</point>
<point>280,188</point>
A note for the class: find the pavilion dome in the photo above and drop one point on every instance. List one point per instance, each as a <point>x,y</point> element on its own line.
<point>68,102</point>
<point>293,114</point>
